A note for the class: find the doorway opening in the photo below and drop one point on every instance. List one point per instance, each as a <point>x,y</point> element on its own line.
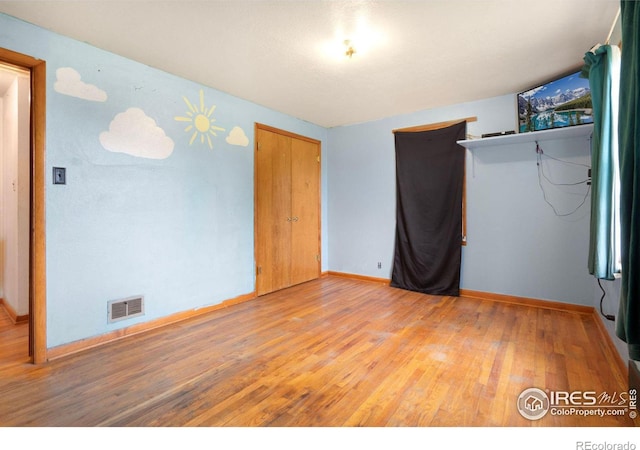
<point>22,232</point>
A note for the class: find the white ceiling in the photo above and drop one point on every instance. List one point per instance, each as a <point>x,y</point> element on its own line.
<point>424,54</point>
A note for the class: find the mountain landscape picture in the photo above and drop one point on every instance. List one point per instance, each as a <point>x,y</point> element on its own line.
<point>563,102</point>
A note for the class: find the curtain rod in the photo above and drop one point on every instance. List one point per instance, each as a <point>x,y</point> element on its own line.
<point>434,126</point>
<point>613,25</point>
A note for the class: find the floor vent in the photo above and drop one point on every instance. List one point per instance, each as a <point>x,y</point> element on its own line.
<point>125,308</point>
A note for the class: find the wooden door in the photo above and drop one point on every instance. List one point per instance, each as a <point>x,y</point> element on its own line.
<point>305,209</point>
<point>287,209</point>
<point>273,211</point>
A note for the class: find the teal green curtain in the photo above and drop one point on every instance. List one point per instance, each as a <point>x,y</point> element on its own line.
<point>628,320</point>
<point>602,68</point>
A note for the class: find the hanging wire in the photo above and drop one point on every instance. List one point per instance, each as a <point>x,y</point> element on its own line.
<point>606,316</point>
<point>541,175</point>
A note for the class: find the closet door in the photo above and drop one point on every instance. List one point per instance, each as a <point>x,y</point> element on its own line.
<point>287,210</point>
<point>305,208</point>
<point>273,211</point>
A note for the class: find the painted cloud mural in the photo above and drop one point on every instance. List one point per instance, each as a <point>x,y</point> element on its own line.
<point>69,82</point>
<point>134,133</point>
<point>237,137</point>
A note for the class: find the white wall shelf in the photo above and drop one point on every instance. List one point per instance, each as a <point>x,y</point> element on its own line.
<point>533,136</point>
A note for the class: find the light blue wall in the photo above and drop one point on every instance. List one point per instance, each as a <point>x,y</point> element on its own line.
<point>516,243</point>
<point>177,230</point>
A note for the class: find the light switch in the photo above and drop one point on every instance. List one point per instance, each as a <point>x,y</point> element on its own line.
<point>59,175</point>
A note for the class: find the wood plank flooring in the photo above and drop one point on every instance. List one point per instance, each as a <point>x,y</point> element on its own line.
<point>330,352</point>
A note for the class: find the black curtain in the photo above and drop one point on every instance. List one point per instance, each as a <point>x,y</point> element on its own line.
<point>429,182</point>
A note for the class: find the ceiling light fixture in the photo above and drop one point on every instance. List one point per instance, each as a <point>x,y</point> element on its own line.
<point>350,50</point>
<point>360,40</point>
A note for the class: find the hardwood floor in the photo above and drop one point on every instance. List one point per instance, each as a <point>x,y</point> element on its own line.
<point>330,352</point>
<point>14,342</point>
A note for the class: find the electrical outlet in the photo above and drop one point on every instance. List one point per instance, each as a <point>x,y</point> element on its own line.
<point>379,265</point>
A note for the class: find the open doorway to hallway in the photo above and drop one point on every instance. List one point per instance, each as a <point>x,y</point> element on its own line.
<point>15,193</point>
<point>22,197</point>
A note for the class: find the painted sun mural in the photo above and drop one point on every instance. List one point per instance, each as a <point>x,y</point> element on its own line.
<point>200,121</point>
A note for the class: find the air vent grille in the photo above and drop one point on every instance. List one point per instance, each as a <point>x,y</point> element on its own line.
<point>125,308</point>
